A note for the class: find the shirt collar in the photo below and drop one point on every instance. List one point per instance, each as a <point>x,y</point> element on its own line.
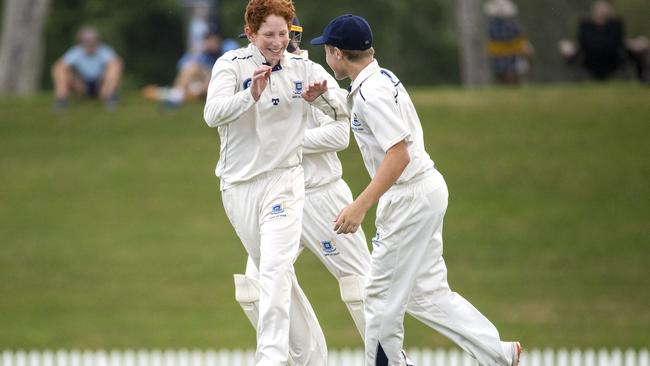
<point>259,58</point>
<point>304,54</point>
<point>370,69</point>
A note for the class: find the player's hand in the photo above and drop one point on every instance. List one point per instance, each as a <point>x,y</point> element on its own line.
<point>349,219</point>
<point>260,80</point>
<point>314,90</point>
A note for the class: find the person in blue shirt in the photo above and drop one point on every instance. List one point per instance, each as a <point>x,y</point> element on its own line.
<point>90,68</point>
<point>193,73</point>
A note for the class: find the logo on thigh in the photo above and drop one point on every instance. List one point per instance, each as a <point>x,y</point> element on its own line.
<point>329,247</point>
<point>277,210</point>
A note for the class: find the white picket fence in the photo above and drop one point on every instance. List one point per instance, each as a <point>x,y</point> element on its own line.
<point>345,357</point>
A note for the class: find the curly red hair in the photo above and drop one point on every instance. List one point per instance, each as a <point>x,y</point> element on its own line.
<point>258,10</point>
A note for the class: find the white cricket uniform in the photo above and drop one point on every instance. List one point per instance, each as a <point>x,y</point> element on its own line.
<point>262,182</point>
<point>326,193</point>
<point>408,271</point>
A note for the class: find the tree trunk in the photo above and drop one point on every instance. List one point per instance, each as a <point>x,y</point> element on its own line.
<point>470,23</point>
<point>21,48</point>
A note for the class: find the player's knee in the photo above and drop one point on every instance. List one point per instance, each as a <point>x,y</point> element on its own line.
<point>247,289</point>
<point>352,288</point>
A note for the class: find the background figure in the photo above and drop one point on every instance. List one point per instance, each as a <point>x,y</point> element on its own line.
<point>198,26</point>
<point>508,48</point>
<point>193,73</point>
<point>602,48</point>
<point>90,68</point>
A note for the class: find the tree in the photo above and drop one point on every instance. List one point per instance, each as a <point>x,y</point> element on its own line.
<point>470,24</point>
<point>21,49</point>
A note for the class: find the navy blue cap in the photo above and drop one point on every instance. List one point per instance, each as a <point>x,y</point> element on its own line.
<point>346,32</point>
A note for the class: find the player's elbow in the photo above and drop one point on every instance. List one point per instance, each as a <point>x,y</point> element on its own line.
<point>209,116</point>
<point>342,143</point>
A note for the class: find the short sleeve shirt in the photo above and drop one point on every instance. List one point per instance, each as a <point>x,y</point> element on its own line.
<point>382,116</point>
<point>90,66</point>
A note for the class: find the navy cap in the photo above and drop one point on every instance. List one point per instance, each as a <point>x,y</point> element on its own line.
<point>346,32</point>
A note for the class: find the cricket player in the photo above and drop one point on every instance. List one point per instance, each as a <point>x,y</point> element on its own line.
<point>407,270</point>
<point>345,256</point>
<point>254,100</point>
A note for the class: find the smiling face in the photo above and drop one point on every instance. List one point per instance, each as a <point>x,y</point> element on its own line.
<point>271,38</point>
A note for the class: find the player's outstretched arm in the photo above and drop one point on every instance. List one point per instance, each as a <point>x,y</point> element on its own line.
<point>330,135</point>
<point>391,168</point>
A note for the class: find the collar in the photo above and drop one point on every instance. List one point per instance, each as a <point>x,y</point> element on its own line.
<point>367,71</point>
<point>259,58</point>
<point>304,54</point>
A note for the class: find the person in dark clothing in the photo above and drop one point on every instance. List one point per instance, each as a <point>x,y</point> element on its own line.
<point>602,48</point>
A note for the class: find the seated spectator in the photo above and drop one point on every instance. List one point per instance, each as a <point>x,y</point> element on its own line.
<point>193,74</point>
<point>90,68</point>
<point>602,49</point>
<point>508,48</point>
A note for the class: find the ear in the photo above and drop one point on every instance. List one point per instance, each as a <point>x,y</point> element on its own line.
<point>249,34</point>
<point>338,53</point>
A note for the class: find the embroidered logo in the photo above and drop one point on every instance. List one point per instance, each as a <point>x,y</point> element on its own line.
<point>277,210</point>
<point>356,124</point>
<point>329,248</point>
<point>376,240</point>
<point>247,83</point>
<point>297,87</point>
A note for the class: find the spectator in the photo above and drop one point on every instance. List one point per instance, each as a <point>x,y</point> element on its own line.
<point>198,26</point>
<point>508,48</point>
<point>193,74</point>
<point>602,49</point>
<point>90,68</point>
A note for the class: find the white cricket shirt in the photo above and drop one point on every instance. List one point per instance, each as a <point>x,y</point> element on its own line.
<point>383,115</point>
<point>260,136</point>
<point>324,136</point>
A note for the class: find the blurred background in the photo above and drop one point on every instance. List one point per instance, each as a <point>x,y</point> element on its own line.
<point>112,232</point>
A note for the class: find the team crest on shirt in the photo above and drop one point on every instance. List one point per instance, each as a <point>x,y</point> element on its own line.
<point>277,210</point>
<point>329,248</point>
<point>356,124</point>
<point>247,83</point>
<point>297,89</point>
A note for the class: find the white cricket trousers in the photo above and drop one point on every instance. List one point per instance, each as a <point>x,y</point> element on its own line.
<point>266,213</point>
<point>408,273</point>
<point>342,255</point>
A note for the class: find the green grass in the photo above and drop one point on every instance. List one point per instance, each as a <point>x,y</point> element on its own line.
<point>112,232</point>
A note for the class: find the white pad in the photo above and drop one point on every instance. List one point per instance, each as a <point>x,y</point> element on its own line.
<point>353,295</point>
<point>247,294</point>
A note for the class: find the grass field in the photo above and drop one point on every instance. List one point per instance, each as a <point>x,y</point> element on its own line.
<point>112,233</point>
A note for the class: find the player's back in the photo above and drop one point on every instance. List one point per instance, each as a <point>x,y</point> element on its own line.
<point>382,86</point>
